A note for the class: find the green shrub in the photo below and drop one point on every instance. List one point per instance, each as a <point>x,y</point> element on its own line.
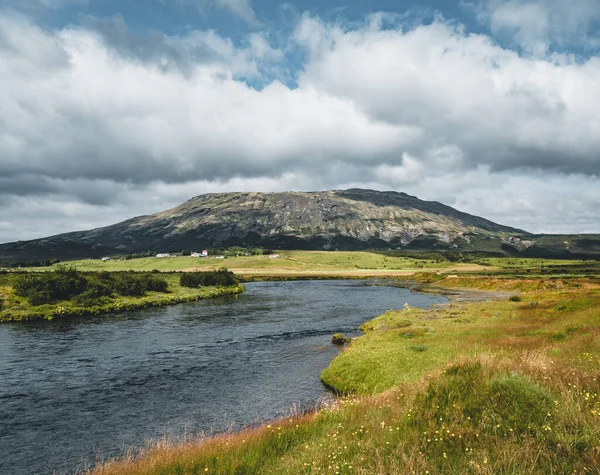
<point>67,283</point>
<point>514,298</point>
<point>62,284</point>
<point>135,285</point>
<point>220,277</point>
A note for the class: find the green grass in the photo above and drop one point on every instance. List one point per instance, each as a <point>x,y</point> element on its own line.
<point>18,309</point>
<point>477,387</point>
<point>312,261</point>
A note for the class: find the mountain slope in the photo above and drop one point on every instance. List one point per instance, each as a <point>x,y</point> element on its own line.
<point>351,219</point>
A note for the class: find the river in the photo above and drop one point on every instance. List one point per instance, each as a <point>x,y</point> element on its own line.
<point>75,392</point>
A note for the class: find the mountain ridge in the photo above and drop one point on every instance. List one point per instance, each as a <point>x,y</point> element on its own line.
<point>353,219</point>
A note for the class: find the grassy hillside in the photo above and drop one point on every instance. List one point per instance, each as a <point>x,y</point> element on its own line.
<point>504,386</point>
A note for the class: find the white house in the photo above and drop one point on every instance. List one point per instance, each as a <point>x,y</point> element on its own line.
<point>274,256</point>
<point>163,255</point>
<point>104,259</point>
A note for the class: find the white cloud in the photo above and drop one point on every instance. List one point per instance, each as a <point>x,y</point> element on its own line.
<point>539,25</point>
<point>470,98</point>
<point>241,8</point>
<point>92,125</point>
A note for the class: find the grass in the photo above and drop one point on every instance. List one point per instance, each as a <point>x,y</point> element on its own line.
<point>489,387</point>
<point>290,261</point>
<point>18,309</point>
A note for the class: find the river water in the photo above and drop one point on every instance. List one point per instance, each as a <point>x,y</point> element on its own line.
<point>75,392</point>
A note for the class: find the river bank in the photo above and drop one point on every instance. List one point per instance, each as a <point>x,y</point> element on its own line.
<point>498,386</point>
<point>103,384</point>
<point>16,308</point>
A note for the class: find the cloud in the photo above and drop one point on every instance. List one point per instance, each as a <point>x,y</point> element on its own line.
<point>240,8</point>
<point>183,53</point>
<point>539,25</point>
<point>472,101</point>
<point>94,120</point>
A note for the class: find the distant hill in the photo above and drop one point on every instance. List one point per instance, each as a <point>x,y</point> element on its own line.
<point>346,220</point>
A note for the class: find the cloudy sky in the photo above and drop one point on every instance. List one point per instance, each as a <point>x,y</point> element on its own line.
<point>115,108</point>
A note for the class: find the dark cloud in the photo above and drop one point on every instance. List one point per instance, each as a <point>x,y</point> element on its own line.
<point>153,48</point>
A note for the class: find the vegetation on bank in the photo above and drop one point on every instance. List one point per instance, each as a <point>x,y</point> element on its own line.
<point>18,264</point>
<point>68,292</point>
<point>221,277</point>
<point>480,387</point>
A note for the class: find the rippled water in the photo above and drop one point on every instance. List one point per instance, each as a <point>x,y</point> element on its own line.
<point>75,392</point>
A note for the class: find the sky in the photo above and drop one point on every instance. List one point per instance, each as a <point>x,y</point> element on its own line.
<point>111,109</point>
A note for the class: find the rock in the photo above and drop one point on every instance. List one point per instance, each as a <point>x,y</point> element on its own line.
<point>338,339</point>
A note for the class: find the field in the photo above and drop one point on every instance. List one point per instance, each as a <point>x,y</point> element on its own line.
<point>505,383</point>
<point>341,264</point>
<point>289,262</point>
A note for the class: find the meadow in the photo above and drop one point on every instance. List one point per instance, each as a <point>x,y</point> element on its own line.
<point>339,263</point>
<point>504,385</point>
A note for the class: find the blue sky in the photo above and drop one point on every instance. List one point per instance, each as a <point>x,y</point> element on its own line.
<point>110,109</point>
<point>177,16</point>
<point>237,18</point>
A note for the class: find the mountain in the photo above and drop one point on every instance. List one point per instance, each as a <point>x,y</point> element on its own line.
<point>345,220</point>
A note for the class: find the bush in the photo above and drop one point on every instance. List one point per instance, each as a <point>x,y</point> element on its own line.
<point>135,285</point>
<point>152,283</point>
<point>514,298</point>
<point>221,277</point>
<point>62,284</point>
<point>127,285</point>
<point>67,283</point>
<point>97,289</point>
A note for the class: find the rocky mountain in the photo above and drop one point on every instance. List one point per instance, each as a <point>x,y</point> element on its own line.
<point>345,220</point>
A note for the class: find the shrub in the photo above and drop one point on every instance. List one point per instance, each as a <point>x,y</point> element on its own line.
<point>135,285</point>
<point>514,298</point>
<point>67,283</point>
<point>153,283</point>
<point>97,289</point>
<point>128,285</point>
<point>62,284</point>
<point>220,277</point>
